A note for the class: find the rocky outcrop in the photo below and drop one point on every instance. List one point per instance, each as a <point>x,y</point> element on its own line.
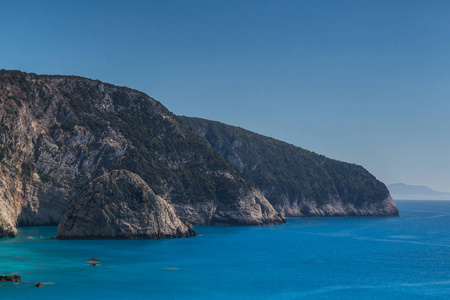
<point>297,182</point>
<point>4,278</point>
<point>121,205</point>
<point>58,133</point>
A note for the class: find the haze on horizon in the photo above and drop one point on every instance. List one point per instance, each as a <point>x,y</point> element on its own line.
<point>362,82</point>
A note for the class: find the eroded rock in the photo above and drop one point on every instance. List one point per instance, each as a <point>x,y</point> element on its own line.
<point>121,205</point>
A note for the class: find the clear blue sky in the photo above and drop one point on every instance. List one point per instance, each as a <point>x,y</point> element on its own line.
<point>360,81</point>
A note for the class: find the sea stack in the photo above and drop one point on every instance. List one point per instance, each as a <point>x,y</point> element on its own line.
<point>120,204</point>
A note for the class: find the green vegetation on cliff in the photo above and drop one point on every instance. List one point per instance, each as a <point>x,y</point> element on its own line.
<point>285,172</point>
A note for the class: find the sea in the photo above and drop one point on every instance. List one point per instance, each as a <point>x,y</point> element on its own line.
<point>308,258</point>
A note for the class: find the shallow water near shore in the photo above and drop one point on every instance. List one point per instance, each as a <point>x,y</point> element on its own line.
<point>307,258</point>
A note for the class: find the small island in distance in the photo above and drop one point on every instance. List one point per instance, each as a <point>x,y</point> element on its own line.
<point>416,192</point>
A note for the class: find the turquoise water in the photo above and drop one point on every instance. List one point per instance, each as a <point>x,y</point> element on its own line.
<point>317,258</point>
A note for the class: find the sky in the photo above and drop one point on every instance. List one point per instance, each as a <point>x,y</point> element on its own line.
<point>366,82</point>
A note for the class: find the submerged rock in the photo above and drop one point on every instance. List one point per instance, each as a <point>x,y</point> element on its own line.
<point>4,278</point>
<point>121,205</point>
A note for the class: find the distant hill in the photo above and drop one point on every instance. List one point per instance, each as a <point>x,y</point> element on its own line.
<point>416,192</point>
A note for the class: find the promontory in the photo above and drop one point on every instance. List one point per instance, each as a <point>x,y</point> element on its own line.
<point>63,137</point>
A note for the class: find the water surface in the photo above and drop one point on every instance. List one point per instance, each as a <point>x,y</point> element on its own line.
<point>314,258</point>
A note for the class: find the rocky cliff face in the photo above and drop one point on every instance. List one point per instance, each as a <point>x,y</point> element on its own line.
<point>121,205</point>
<point>58,133</point>
<point>297,182</point>
<point>251,208</point>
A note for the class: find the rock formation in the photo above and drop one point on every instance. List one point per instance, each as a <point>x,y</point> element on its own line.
<point>121,205</point>
<point>58,133</point>
<point>4,278</point>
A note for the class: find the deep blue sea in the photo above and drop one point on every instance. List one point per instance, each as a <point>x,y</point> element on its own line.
<point>308,258</point>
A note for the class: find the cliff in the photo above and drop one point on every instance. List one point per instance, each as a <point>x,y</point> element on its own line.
<point>59,133</point>
<point>121,205</point>
<point>297,182</point>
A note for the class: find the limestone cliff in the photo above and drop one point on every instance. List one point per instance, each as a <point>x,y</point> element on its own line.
<point>58,133</point>
<point>121,205</point>
<point>297,182</point>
